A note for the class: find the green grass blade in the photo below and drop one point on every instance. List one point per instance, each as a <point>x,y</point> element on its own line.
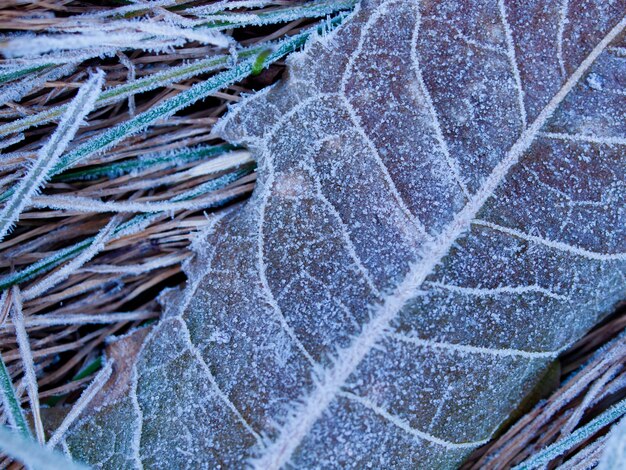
<point>161,160</point>
<point>11,403</point>
<point>21,71</point>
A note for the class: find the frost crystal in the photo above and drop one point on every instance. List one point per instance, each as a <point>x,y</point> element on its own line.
<point>439,212</point>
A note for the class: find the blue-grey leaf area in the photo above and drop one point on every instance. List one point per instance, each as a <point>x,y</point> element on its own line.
<point>440,210</point>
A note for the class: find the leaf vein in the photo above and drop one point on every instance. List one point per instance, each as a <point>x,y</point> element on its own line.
<point>400,423</point>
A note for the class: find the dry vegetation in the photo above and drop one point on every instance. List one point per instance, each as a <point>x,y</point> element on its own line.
<point>91,252</point>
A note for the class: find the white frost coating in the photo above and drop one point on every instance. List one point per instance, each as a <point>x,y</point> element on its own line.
<point>85,204</point>
<point>49,154</point>
<point>279,452</point>
<point>84,400</point>
<point>33,321</point>
<point>138,422</point>
<point>584,138</point>
<point>513,61</point>
<point>494,291</point>
<point>467,349</point>
<point>469,316</point>
<point>196,353</point>
<point>345,235</point>
<point>71,47</point>
<point>22,87</point>
<point>412,219</point>
<point>560,246</point>
<point>160,262</point>
<point>267,292</point>
<point>614,453</point>
<point>8,142</point>
<point>229,5</point>
<point>408,429</point>
<point>454,167</point>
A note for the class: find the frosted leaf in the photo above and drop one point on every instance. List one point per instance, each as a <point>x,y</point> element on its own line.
<point>439,212</point>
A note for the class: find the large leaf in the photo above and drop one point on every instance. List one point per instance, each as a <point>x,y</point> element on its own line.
<point>439,212</point>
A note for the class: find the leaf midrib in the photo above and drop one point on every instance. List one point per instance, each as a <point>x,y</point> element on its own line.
<point>293,432</point>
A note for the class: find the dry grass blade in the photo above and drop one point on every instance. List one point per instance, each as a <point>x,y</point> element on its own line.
<point>559,448</point>
<point>27,362</point>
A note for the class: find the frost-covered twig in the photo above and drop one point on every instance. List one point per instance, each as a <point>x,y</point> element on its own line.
<point>282,15</point>
<point>10,141</point>
<point>224,5</point>
<point>27,362</point>
<point>136,269</point>
<point>49,154</point>
<point>133,8</point>
<point>33,455</point>
<point>118,35</point>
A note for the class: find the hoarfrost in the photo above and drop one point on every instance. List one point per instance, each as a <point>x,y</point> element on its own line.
<point>439,212</point>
